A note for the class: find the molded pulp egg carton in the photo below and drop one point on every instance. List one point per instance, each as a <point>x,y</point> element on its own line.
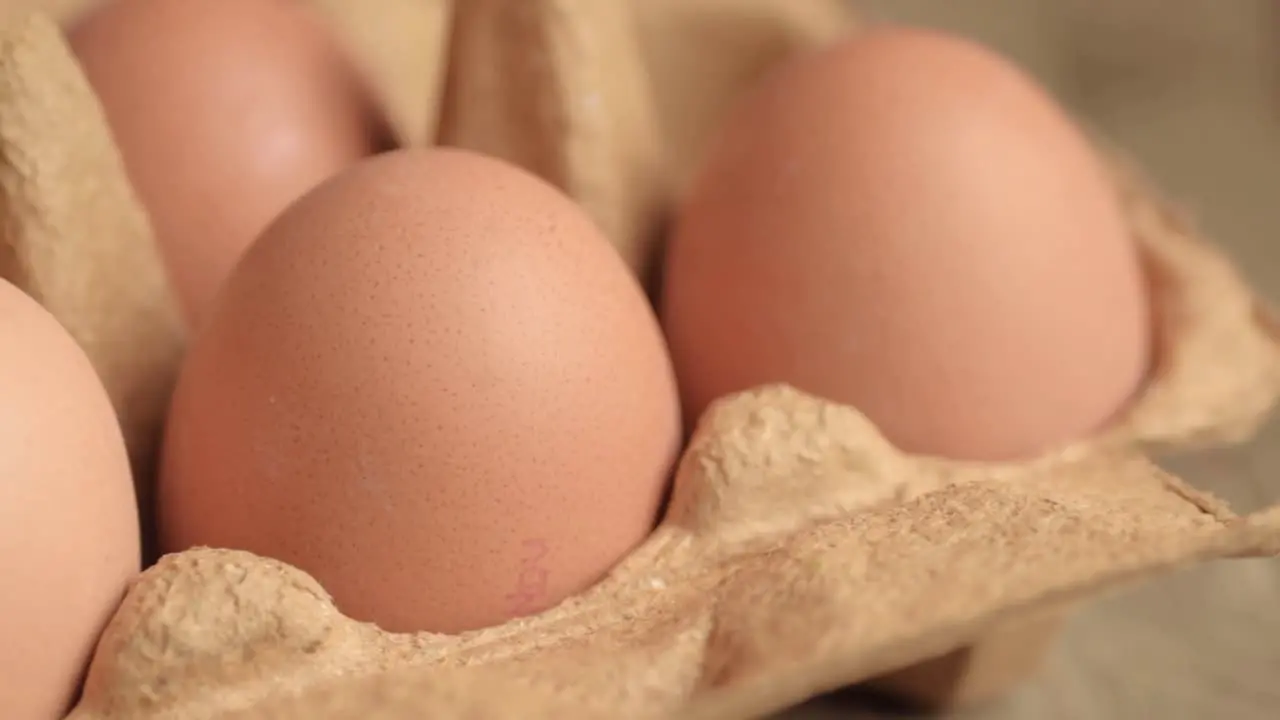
<point>800,551</point>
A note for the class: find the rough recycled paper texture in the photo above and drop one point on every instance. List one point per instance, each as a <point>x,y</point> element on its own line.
<point>401,46</point>
<point>704,54</point>
<point>800,551</point>
<point>559,87</point>
<point>60,10</point>
<point>74,237</point>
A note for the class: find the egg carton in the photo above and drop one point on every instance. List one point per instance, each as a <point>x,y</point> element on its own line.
<point>800,551</point>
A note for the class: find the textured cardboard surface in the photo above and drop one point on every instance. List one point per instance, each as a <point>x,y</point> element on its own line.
<point>75,239</point>
<point>401,47</point>
<point>800,552</point>
<point>559,87</point>
<point>704,54</point>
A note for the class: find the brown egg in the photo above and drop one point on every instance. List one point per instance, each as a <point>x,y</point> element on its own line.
<point>225,112</point>
<point>432,384</point>
<point>68,520</point>
<point>905,223</point>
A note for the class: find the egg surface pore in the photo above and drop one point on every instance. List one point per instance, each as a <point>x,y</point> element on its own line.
<point>433,385</point>
<point>905,223</point>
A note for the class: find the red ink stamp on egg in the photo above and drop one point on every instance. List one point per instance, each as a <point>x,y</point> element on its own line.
<point>531,581</point>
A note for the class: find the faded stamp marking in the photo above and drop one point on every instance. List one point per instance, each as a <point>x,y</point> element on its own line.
<point>531,581</point>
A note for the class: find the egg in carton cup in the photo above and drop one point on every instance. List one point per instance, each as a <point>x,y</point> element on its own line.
<point>800,551</point>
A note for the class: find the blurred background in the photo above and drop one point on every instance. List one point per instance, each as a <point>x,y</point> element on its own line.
<point>1191,90</point>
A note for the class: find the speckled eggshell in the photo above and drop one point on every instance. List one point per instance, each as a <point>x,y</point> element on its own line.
<point>433,385</point>
<point>225,111</point>
<point>69,539</point>
<point>905,223</point>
